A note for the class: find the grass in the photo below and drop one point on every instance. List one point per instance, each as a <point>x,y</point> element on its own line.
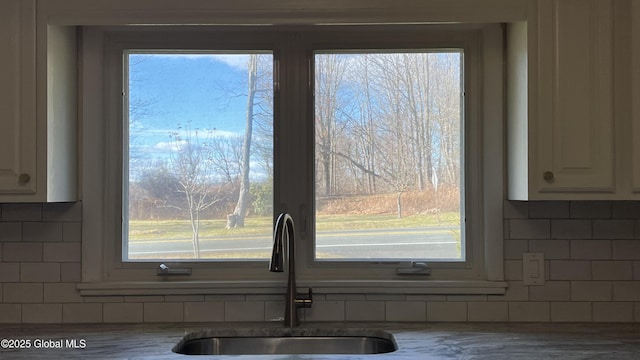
<point>153,230</point>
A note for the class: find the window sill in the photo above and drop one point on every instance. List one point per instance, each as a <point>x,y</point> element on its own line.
<point>462,287</point>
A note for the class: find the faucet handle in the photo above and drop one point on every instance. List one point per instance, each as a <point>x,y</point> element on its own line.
<point>304,300</point>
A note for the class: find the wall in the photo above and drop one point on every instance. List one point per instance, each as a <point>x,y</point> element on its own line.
<point>592,253</point>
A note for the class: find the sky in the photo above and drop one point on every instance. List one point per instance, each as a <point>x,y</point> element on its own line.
<point>203,91</point>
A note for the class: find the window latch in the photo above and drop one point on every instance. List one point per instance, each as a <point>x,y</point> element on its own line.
<point>415,268</point>
<point>164,270</point>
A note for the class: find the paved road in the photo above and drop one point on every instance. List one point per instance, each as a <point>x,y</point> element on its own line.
<point>402,243</point>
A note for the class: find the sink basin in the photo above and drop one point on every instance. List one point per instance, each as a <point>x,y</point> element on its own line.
<point>286,341</point>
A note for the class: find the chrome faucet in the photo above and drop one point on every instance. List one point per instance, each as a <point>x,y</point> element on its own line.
<point>284,224</point>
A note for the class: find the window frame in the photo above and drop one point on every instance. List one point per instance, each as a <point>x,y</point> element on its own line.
<point>102,162</point>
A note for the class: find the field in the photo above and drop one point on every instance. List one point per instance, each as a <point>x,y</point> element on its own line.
<point>151,230</point>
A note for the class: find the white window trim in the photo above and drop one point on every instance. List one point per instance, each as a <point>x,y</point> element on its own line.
<point>102,188</point>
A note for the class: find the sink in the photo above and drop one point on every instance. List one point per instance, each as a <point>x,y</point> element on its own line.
<point>286,341</point>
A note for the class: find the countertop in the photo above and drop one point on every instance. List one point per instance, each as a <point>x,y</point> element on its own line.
<point>415,341</point>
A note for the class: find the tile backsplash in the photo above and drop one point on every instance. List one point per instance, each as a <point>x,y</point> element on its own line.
<point>592,273</point>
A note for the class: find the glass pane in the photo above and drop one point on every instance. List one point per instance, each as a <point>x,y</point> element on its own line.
<point>388,155</point>
<point>198,176</point>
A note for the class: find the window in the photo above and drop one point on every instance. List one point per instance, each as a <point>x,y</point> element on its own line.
<point>388,155</point>
<point>373,138</point>
<point>198,155</point>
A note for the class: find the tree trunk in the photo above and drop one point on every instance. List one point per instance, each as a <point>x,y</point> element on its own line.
<point>399,204</point>
<point>240,211</point>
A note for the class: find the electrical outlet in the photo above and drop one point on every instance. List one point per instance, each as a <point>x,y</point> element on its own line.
<point>533,268</point>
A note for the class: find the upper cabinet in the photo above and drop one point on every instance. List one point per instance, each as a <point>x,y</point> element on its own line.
<point>565,118</point>
<point>38,107</point>
<point>17,98</point>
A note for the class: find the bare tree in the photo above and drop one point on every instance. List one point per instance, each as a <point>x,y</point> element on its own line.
<point>255,93</point>
<point>191,165</point>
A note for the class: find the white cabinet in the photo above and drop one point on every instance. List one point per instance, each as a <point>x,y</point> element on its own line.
<point>38,107</point>
<point>17,98</point>
<point>567,149</point>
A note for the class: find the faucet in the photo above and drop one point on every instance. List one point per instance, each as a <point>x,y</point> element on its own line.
<point>284,224</point>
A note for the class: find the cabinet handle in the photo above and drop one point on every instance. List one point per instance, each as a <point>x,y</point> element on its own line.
<point>24,179</point>
<point>548,176</point>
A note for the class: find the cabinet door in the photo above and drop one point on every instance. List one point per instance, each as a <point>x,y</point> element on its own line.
<point>573,141</point>
<point>635,92</point>
<point>17,97</point>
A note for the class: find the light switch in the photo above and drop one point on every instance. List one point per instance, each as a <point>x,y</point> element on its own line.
<point>533,268</point>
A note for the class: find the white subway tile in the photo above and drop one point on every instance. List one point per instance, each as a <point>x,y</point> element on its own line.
<point>405,311</point>
<point>569,270</point>
<point>626,291</point>
<point>590,209</point>
<point>551,291</point>
<point>529,311</point>
<point>488,311</point>
<point>265,297</point>
<point>613,311</point>
<point>516,209</point>
<point>184,298</point>
<point>224,298</point>
<point>22,293</point>
<point>325,311</point>
<point>82,313</point>
<point>385,297</point>
<point>71,272</point>
<point>62,252</point>
<point>625,210</point>
<point>21,212</point>
<point>20,251</point>
<point>122,312</point>
<point>626,249</point>
<point>549,209</point>
<point>9,272</point>
<point>529,229</point>
<point>365,310</point>
<point>591,249</point>
<point>210,311</point>
<point>163,312</point>
<point>10,231</point>
<point>513,270</point>
<point>612,270</point>
<point>42,231</point>
<point>62,211</point>
<point>447,311</point>
<point>345,297</point>
<point>552,249</point>
<point>39,272</point>
<point>244,311</point>
<point>274,311</point>
<point>61,293</point>
<point>513,249</point>
<point>572,311</point>
<point>591,291</point>
<point>571,229</point>
<point>613,229</point>
<point>72,232</point>
<point>42,313</point>
<point>10,313</point>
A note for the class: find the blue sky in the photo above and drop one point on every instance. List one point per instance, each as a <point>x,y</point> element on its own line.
<point>201,90</point>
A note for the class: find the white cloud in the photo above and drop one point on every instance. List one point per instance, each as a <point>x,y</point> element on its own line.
<point>170,146</point>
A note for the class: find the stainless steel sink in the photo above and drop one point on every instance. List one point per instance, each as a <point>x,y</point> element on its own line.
<point>287,341</point>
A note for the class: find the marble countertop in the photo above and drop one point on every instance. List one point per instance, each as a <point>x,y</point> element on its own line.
<point>415,341</point>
